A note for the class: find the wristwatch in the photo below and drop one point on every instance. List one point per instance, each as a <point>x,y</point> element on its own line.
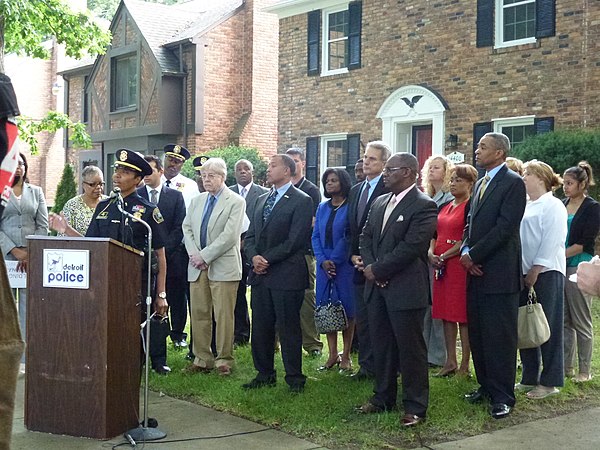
<point>162,295</point>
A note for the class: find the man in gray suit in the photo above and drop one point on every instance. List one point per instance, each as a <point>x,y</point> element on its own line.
<point>393,246</point>
<point>244,177</point>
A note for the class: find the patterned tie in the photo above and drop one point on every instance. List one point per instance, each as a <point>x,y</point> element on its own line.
<point>204,226</point>
<point>154,196</point>
<point>388,211</point>
<point>484,183</point>
<point>362,202</point>
<point>269,204</point>
<point>244,192</point>
<point>168,183</point>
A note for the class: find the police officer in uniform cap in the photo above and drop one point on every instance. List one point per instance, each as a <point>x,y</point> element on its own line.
<point>108,221</point>
<point>175,156</point>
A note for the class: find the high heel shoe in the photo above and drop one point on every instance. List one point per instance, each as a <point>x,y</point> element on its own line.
<point>330,366</point>
<point>345,369</point>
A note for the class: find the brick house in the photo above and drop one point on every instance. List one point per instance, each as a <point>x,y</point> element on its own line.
<point>201,74</point>
<point>431,77</point>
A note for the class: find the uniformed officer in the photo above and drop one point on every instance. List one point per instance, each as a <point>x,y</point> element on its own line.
<point>175,156</point>
<point>108,221</point>
<point>197,162</point>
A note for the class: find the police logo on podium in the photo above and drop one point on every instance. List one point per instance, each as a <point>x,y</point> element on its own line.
<point>66,269</point>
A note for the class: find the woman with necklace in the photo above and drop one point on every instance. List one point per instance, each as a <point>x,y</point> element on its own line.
<point>583,224</point>
<point>450,280</point>
<point>78,211</point>
<point>330,245</point>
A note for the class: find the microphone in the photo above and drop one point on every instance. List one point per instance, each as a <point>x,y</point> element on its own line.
<point>115,193</point>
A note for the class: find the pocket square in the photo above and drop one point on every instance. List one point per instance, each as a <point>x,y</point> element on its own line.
<point>400,218</point>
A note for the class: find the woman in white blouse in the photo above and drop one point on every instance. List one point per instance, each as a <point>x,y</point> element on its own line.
<point>543,234</point>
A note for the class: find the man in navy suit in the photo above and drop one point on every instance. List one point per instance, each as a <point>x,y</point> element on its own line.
<point>244,175</point>
<point>491,254</point>
<point>276,243</point>
<point>172,206</point>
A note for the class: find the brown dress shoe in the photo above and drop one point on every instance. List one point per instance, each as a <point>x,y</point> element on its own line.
<point>410,420</point>
<point>224,370</point>
<point>369,408</point>
<point>193,368</point>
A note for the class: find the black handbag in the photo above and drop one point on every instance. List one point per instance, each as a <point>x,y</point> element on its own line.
<point>331,317</point>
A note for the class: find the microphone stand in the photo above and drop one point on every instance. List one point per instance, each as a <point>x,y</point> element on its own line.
<point>143,433</point>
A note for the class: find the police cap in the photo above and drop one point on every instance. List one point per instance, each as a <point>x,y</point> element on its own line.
<point>198,161</point>
<point>132,160</point>
<point>176,151</point>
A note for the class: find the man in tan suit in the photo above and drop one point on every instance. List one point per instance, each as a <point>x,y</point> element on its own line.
<point>211,230</point>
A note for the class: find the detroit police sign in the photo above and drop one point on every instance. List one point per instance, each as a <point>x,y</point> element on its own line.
<point>67,269</point>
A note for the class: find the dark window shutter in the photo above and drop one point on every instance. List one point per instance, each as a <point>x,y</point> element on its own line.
<point>543,125</point>
<point>545,18</point>
<point>479,130</point>
<point>485,23</point>
<point>353,143</point>
<point>312,159</point>
<point>354,39</point>
<point>313,42</point>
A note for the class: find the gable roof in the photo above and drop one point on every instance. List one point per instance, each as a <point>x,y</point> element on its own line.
<point>161,24</point>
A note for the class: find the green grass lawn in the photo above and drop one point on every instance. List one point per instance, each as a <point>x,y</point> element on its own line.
<point>324,412</point>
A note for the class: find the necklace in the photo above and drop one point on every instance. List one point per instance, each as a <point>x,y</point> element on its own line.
<point>335,208</point>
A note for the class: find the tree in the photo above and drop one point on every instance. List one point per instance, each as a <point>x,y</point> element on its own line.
<point>66,189</point>
<point>107,8</point>
<point>231,154</point>
<point>53,122</point>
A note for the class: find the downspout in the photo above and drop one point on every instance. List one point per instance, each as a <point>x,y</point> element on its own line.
<point>184,99</point>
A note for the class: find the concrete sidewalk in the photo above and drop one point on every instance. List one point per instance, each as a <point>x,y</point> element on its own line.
<point>179,419</point>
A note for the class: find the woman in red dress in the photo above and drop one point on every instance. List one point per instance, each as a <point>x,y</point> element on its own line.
<point>450,283</point>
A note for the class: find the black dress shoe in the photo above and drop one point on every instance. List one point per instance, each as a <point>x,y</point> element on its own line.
<point>296,388</point>
<point>162,370</point>
<point>410,420</point>
<point>256,383</point>
<point>475,397</point>
<point>500,410</point>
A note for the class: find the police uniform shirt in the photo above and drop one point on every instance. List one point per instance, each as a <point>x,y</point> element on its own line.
<point>108,221</point>
<point>185,185</point>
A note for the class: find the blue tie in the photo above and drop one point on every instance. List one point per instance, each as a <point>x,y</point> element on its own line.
<point>269,204</point>
<point>204,226</point>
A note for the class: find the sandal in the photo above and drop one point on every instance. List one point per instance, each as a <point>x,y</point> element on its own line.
<point>541,392</point>
<point>582,378</point>
<point>329,366</point>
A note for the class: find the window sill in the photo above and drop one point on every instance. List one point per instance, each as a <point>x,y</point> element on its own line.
<point>331,73</point>
<point>123,110</point>
<point>517,47</point>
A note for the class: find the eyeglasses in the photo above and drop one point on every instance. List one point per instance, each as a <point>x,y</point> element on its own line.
<point>95,185</point>
<point>209,176</point>
<point>393,169</point>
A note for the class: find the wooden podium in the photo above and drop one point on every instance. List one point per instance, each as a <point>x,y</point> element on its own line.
<point>83,345</point>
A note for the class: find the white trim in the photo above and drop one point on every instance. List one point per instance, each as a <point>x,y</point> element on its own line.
<point>325,13</point>
<point>499,26</point>
<point>519,121</point>
<point>323,140</point>
<point>289,8</point>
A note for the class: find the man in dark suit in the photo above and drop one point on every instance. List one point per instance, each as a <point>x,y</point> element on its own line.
<point>361,196</point>
<point>491,254</point>
<point>275,243</point>
<point>172,206</point>
<point>310,338</point>
<point>394,245</point>
<point>244,174</point>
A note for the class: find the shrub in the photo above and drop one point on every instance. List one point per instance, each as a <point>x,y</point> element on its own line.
<point>562,149</point>
<point>231,154</point>
<point>66,189</point>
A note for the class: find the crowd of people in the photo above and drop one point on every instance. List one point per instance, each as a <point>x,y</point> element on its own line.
<point>417,257</point>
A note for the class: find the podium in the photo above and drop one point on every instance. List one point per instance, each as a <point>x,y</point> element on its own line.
<point>83,345</point>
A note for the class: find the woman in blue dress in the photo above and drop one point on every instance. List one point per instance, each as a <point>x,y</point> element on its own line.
<point>330,244</point>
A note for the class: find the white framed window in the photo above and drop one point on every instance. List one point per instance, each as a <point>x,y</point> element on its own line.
<point>334,151</point>
<point>516,128</point>
<point>335,29</point>
<point>515,22</point>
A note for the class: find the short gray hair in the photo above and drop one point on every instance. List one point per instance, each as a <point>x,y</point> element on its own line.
<point>296,151</point>
<point>502,142</point>
<point>385,149</point>
<point>216,165</point>
<point>90,171</point>
<point>244,161</point>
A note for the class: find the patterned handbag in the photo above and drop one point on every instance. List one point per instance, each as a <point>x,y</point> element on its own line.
<point>331,316</point>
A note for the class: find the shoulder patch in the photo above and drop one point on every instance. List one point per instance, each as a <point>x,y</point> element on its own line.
<point>157,216</point>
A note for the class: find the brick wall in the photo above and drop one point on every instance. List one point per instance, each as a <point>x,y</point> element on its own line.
<point>407,43</point>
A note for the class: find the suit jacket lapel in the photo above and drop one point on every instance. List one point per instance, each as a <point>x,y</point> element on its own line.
<point>404,204</point>
<point>490,187</point>
<point>218,209</point>
<point>258,224</point>
<point>280,204</point>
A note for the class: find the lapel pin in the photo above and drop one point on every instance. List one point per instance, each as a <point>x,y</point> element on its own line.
<point>285,196</point>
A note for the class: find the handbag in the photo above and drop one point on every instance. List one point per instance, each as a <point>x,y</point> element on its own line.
<point>533,328</point>
<point>331,317</point>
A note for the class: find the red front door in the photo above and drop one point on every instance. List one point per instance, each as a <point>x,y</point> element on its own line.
<point>421,142</point>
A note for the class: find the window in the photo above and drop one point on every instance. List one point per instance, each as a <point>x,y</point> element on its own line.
<point>336,152</point>
<point>517,129</point>
<point>124,81</point>
<point>334,39</point>
<point>331,150</point>
<point>515,22</point>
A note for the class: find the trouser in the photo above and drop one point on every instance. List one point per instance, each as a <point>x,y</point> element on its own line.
<point>177,298</point>
<point>208,298</point>
<point>549,288</point>
<point>21,296</point>
<point>310,337</point>
<point>365,349</point>
<point>11,349</point>
<point>433,332</point>
<point>242,319</point>
<point>579,329</point>
<point>159,328</point>
<point>277,311</point>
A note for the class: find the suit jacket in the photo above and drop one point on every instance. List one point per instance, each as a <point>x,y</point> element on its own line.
<point>398,253</point>
<point>492,232</point>
<point>23,218</point>
<point>172,208</point>
<point>251,197</point>
<point>357,223</point>
<point>585,224</point>
<point>222,251</point>
<point>281,240</point>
